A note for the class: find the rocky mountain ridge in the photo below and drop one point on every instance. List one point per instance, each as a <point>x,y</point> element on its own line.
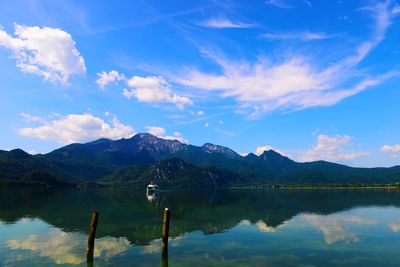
<point>145,156</point>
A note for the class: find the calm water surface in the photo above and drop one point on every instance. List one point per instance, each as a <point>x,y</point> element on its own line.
<point>208,228</point>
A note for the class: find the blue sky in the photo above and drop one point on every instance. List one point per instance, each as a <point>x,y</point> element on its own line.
<point>310,79</point>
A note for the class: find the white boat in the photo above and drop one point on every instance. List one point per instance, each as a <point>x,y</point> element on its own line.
<point>152,187</point>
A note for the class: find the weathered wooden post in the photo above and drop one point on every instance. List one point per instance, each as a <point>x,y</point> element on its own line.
<point>92,235</point>
<point>164,248</point>
<point>164,261</point>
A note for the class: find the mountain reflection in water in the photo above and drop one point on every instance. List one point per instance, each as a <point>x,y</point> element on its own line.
<point>227,227</point>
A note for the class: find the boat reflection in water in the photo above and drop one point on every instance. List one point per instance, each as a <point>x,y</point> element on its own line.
<point>151,196</point>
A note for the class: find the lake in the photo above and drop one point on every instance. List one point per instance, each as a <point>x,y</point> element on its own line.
<point>230,227</point>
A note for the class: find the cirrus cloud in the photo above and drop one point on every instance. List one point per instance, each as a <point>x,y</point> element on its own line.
<point>295,82</point>
<point>47,52</point>
<point>221,23</point>
<point>302,36</point>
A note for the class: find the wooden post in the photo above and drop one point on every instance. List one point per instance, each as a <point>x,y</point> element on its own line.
<point>164,260</point>
<point>92,235</point>
<point>164,248</point>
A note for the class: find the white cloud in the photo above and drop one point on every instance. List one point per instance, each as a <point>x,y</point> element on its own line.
<point>396,9</point>
<point>224,132</point>
<point>200,113</point>
<point>32,152</point>
<point>160,133</point>
<point>331,149</point>
<point>110,77</point>
<point>79,128</point>
<point>263,227</point>
<point>259,150</point>
<point>294,83</point>
<point>66,248</point>
<point>155,245</point>
<point>157,131</point>
<point>47,52</point>
<point>301,36</point>
<point>179,138</point>
<point>221,122</point>
<point>154,89</point>
<point>395,227</point>
<point>221,23</point>
<point>30,118</point>
<point>308,3</point>
<point>278,3</point>
<point>390,149</point>
<point>207,124</point>
<point>336,227</point>
<point>243,154</point>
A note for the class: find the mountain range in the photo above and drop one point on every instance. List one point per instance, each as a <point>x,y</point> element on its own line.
<point>143,158</point>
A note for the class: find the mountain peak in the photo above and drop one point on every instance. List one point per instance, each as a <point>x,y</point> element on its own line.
<point>143,135</point>
<point>19,154</point>
<point>272,154</point>
<point>100,141</point>
<point>211,148</point>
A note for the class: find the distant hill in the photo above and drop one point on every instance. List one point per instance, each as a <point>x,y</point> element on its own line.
<point>20,168</point>
<point>144,157</point>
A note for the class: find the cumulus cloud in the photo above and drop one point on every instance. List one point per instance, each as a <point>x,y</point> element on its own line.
<point>160,133</point>
<point>259,150</point>
<point>395,227</point>
<point>47,52</point>
<point>301,36</point>
<point>390,149</point>
<point>335,227</point>
<point>152,89</point>
<point>295,82</point>
<point>263,227</point>
<point>157,131</point>
<point>109,77</point>
<point>220,23</point>
<point>66,248</point>
<point>155,245</point>
<point>200,113</point>
<point>179,138</point>
<point>206,124</point>
<point>331,149</point>
<point>76,128</point>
